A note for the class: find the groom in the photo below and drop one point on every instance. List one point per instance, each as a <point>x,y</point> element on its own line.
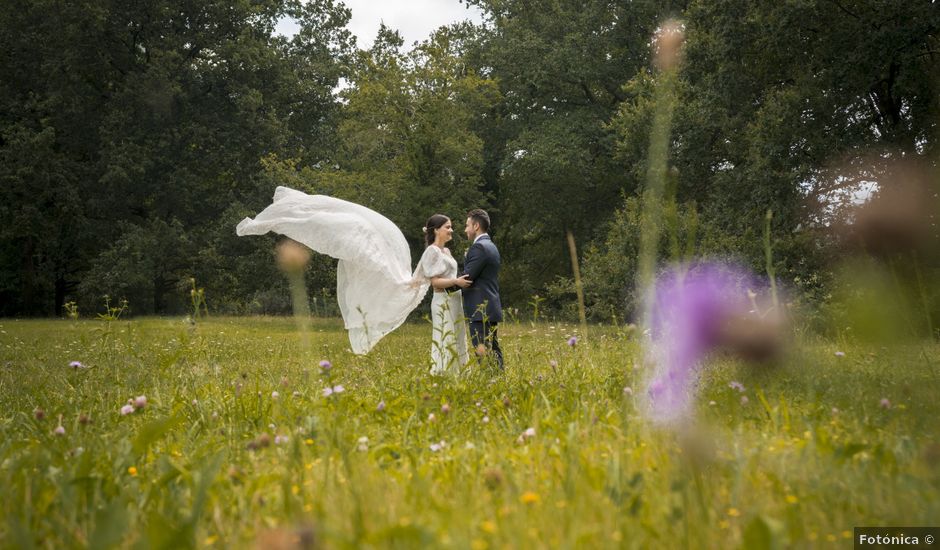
<point>481,303</point>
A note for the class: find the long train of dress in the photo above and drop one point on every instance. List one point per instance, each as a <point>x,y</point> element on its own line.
<point>375,286</point>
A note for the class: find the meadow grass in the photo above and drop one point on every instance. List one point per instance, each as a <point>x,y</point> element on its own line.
<point>812,451</point>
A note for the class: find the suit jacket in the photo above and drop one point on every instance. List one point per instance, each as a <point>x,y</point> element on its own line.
<point>482,265</point>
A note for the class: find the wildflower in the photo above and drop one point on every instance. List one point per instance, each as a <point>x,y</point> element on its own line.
<point>712,403</point>
<point>296,394</point>
<point>127,409</point>
<point>885,404</point>
<point>791,499</point>
<point>275,395</point>
<point>39,413</point>
<point>627,390</point>
<point>668,43</point>
<point>469,446</point>
<point>325,365</point>
<point>279,439</point>
<point>59,430</point>
<point>435,447</point>
<point>529,433</point>
<point>486,420</point>
<point>573,341</point>
<point>694,310</point>
<point>431,417</point>
<point>744,400</point>
<point>132,471</point>
<point>84,419</point>
<point>529,497</point>
<point>292,257</point>
<point>840,354</point>
<point>835,410</point>
<point>734,512</point>
<point>381,406</point>
<point>140,402</point>
<point>363,444</point>
<point>328,391</point>
<point>553,364</point>
<point>76,365</point>
<point>734,385</point>
<point>445,408</point>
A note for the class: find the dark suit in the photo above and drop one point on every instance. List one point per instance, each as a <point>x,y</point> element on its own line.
<point>481,304</point>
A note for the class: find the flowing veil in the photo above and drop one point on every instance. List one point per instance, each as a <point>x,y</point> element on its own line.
<point>375,286</point>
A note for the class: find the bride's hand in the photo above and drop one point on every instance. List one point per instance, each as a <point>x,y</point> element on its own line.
<point>463,281</point>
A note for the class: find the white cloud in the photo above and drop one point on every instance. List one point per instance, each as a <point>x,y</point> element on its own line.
<point>414,19</point>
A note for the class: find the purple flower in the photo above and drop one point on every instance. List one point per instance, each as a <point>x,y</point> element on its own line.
<point>381,406</point>
<point>689,308</point>
<point>140,402</point>
<point>325,365</point>
<point>275,395</point>
<point>734,385</point>
<point>445,408</point>
<point>573,341</point>
<point>127,409</point>
<point>278,439</point>
<point>840,354</point>
<point>59,430</point>
<point>885,404</point>
<point>328,391</point>
<point>76,365</point>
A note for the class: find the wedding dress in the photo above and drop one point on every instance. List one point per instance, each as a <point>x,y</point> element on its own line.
<point>375,285</point>
<point>448,329</point>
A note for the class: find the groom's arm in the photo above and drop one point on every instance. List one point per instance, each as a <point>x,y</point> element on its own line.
<point>476,261</point>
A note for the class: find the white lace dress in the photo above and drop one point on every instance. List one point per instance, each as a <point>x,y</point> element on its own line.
<point>448,329</point>
<point>375,285</point>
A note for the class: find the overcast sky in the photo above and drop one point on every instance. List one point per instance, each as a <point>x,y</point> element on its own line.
<point>414,19</point>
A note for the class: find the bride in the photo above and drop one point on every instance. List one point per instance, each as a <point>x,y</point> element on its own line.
<point>375,285</point>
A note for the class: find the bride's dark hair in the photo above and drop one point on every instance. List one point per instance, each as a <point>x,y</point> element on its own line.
<point>434,222</point>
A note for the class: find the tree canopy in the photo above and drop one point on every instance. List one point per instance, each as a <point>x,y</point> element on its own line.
<point>134,136</point>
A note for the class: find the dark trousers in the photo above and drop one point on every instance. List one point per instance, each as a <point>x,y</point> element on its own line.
<point>485,333</point>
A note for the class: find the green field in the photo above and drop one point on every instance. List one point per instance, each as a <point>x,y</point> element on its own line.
<point>811,453</point>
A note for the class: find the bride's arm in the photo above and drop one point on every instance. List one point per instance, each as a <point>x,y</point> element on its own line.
<point>447,282</point>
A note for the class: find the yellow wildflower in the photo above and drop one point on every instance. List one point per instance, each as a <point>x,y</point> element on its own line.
<point>529,497</point>
<point>734,512</point>
<point>132,471</point>
<point>792,499</point>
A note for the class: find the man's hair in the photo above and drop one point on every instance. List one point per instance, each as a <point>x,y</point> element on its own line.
<point>481,217</point>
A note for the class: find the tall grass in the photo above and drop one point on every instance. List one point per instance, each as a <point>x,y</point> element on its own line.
<point>216,459</point>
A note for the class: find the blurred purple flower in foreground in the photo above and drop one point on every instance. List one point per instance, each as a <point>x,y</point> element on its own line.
<point>694,310</point>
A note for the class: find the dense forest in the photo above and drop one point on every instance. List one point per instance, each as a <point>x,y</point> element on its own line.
<point>135,135</point>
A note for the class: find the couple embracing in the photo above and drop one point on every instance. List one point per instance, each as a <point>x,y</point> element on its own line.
<point>375,285</point>
<point>473,296</point>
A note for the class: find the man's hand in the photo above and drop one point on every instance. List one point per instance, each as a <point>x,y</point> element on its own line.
<point>463,281</point>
